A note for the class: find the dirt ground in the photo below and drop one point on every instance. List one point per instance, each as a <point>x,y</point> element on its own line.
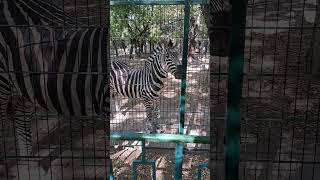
<point>165,163</point>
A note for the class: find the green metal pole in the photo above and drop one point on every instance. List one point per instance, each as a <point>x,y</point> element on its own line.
<point>111,170</point>
<point>143,151</point>
<point>179,146</point>
<point>236,58</point>
<point>176,138</point>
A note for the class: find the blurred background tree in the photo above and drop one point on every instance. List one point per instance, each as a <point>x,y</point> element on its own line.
<point>136,29</point>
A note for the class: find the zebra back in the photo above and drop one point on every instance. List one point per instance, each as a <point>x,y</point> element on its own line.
<point>50,59</point>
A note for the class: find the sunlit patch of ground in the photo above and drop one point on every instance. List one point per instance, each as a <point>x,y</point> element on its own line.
<point>165,164</point>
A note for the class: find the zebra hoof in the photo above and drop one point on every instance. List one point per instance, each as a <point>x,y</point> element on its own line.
<point>149,129</point>
<point>159,130</point>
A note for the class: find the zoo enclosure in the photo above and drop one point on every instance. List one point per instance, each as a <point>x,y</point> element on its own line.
<point>175,25</point>
<point>280,100</point>
<point>234,98</point>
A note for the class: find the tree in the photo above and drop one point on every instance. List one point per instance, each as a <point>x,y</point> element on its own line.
<point>136,24</point>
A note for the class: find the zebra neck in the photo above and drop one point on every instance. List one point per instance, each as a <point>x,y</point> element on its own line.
<point>156,72</point>
<point>157,62</point>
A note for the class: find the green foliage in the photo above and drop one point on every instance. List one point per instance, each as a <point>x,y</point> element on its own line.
<point>135,22</point>
<point>149,23</point>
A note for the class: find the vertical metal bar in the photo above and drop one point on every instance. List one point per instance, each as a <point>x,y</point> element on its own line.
<point>134,170</point>
<point>107,119</point>
<point>305,124</point>
<point>143,151</point>
<point>200,168</point>
<point>299,80</point>
<point>316,143</point>
<point>179,146</point>
<point>236,58</point>
<point>111,171</point>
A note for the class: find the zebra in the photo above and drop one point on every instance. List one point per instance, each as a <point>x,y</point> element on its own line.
<point>217,16</point>
<point>50,62</point>
<point>146,82</point>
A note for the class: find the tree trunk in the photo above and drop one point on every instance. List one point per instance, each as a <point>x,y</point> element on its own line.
<point>218,24</point>
<point>150,46</point>
<point>141,47</point>
<point>131,48</point>
<point>136,48</point>
<point>313,55</point>
<point>124,47</point>
<point>116,48</point>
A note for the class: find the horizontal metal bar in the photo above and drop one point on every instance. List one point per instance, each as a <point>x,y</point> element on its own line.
<point>38,158</point>
<point>218,27</point>
<point>177,138</point>
<point>155,2</point>
<point>161,148</point>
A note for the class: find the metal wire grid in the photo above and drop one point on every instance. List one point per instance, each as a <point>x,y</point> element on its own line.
<point>280,107</point>
<point>197,113</point>
<point>65,148</point>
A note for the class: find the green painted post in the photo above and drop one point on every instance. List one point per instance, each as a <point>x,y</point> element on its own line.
<point>200,168</point>
<point>143,151</point>
<point>176,138</point>
<point>236,58</point>
<point>179,146</point>
<point>143,161</point>
<point>111,170</point>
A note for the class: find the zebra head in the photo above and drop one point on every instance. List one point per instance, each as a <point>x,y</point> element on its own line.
<point>171,59</point>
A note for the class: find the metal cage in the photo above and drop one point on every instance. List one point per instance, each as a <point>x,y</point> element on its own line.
<point>167,17</point>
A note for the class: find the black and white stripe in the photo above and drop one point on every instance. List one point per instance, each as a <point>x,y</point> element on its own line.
<point>146,82</point>
<point>50,61</point>
<point>217,16</point>
<point>218,5</point>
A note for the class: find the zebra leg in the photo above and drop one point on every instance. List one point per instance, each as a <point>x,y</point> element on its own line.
<point>157,111</point>
<point>21,123</point>
<point>3,137</point>
<point>21,116</point>
<point>115,107</point>
<point>152,126</point>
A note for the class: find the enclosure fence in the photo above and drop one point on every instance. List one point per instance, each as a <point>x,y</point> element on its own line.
<point>179,138</point>
<point>235,85</point>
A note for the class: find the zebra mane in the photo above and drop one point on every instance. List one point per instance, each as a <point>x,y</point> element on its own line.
<point>156,51</point>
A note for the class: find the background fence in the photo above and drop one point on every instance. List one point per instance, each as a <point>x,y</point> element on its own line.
<point>62,147</point>
<point>135,31</point>
<point>280,103</point>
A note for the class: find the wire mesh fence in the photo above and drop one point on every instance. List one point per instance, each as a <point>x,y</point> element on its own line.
<point>50,128</point>
<point>136,30</point>
<point>280,106</point>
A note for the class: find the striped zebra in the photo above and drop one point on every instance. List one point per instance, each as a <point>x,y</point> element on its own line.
<point>49,63</point>
<point>146,82</point>
<point>217,15</point>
